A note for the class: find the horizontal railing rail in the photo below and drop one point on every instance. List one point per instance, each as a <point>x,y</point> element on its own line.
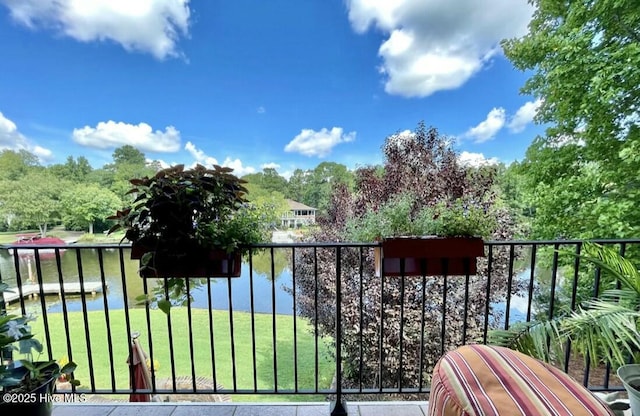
<point>303,318</point>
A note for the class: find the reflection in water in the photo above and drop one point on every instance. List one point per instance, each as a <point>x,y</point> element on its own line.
<point>109,270</point>
<point>257,288</point>
<point>262,261</point>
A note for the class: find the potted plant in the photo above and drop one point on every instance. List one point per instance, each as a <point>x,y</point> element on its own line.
<point>190,223</point>
<point>25,383</point>
<point>604,328</point>
<point>431,241</point>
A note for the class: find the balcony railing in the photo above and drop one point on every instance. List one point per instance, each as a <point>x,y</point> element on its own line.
<point>304,319</point>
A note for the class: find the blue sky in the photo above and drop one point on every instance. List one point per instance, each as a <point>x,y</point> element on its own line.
<point>254,83</point>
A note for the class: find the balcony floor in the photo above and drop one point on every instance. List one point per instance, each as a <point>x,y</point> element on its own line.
<point>239,409</point>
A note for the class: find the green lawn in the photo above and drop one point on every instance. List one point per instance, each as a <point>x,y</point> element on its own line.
<point>8,237</point>
<point>102,360</point>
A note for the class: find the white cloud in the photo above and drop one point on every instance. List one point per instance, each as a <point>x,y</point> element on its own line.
<point>476,159</point>
<point>202,158</point>
<point>287,174</point>
<point>433,45</point>
<point>42,153</point>
<point>271,165</point>
<point>151,26</point>
<point>524,116</point>
<point>261,110</point>
<point>12,139</point>
<point>238,168</point>
<point>488,128</point>
<point>199,155</point>
<point>318,143</point>
<point>111,134</point>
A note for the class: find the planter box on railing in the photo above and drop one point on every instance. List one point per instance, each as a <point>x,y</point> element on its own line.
<point>209,263</point>
<point>429,256</point>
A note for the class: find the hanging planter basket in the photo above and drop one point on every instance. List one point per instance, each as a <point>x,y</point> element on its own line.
<point>428,256</point>
<point>197,263</point>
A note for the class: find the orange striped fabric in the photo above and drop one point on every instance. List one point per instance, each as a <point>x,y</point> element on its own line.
<point>482,380</point>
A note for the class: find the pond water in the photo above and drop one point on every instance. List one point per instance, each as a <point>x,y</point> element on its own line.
<point>241,288</point>
<point>263,284</point>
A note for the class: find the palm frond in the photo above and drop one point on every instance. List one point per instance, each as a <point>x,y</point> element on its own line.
<point>539,339</point>
<point>626,297</point>
<point>611,261</point>
<point>604,330</point>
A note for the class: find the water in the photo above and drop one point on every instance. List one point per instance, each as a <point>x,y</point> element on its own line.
<point>263,284</point>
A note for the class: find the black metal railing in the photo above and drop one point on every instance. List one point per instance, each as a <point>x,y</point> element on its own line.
<point>303,319</point>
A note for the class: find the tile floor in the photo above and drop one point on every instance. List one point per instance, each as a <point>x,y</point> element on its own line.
<point>237,409</point>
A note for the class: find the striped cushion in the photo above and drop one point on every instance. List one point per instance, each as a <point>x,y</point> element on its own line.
<point>484,380</point>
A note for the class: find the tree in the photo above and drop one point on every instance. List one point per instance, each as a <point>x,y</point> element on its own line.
<point>128,155</point>
<point>74,170</point>
<point>423,164</point>
<point>128,163</point>
<point>297,184</point>
<point>269,179</point>
<point>584,57</point>
<point>272,204</point>
<point>322,181</point>
<point>313,187</point>
<point>84,205</point>
<point>16,164</point>
<point>33,200</point>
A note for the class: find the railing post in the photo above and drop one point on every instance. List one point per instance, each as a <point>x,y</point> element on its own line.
<point>338,407</point>
<point>3,307</point>
<point>6,354</point>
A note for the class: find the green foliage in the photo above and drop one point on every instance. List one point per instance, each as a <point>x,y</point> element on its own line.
<point>272,203</point>
<point>313,187</point>
<point>398,217</point>
<point>15,335</point>
<point>459,219</point>
<point>603,328</point>
<point>84,205</point>
<point>184,211</point>
<point>392,219</point>
<point>582,178</point>
<point>511,182</point>
<point>247,225</point>
<point>268,179</point>
<point>128,155</point>
<point>33,200</point>
<point>128,162</point>
<point>179,210</point>
<point>73,170</point>
<point>16,165</point>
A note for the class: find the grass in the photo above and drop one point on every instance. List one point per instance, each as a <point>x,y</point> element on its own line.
<point>100,343</point>
<point>8,237</point>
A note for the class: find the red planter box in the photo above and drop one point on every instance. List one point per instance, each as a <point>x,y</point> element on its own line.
<point>429,256</point>
<point>212,263</point>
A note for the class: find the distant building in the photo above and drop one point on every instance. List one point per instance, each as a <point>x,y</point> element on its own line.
<point>298,215</point>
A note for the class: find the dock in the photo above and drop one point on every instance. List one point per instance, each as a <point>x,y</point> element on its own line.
<point>34,290</point>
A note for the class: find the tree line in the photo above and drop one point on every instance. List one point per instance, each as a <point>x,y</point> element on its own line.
<point>72,193</point>
<point>80,197</point>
